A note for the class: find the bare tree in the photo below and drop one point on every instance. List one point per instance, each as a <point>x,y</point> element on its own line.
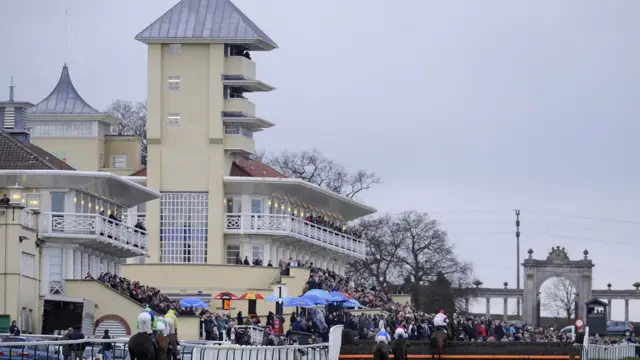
<point>313,167</point>
<point>559,298</point>
<point>380,266</point>
<point>133,121</point>
<point>426,253</point>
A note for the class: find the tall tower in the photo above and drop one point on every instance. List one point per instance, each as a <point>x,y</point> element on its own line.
<point>199,120</point>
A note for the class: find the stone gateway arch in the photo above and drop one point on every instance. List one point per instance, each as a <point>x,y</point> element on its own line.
<point>536,272</point>
<point>557,264</point>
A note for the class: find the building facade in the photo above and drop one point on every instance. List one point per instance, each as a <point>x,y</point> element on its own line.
<point>64,124</point>
<point>217,204</point>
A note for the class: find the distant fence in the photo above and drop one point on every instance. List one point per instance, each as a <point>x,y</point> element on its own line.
<point>53,350</point>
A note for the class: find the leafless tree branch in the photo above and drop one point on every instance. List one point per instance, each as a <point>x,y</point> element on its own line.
<point>559,298</point>
<point>313,167</point>
<point>133,121</point>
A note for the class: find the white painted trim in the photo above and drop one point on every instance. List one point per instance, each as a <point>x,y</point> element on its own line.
<point>299,182</point>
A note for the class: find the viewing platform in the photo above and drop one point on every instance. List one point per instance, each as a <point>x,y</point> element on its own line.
<point>94,231</point>
<point>287,225</point>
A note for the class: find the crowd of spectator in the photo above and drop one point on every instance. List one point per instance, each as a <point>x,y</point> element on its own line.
<point>143,294</point>
<point>330,224</point>
<point>418,325</point>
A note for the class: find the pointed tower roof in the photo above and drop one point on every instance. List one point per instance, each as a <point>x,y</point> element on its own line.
<point>64,99</point>
<point>206,21</point>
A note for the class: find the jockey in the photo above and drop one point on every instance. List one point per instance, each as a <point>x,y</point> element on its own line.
<point>162,328</point>
<point>383,337</point>
<point>400,333</point>
<point>154,321</point>
<point>144,323</point>
<point>165,327</point>
<point>171,314</point>
<point>440,321</point>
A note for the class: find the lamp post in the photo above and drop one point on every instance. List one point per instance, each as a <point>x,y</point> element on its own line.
<point>518,259</point>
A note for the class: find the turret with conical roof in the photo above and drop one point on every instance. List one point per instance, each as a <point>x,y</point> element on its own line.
<point>64,99</point>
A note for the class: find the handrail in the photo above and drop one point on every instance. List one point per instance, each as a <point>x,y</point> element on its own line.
<point>117,222</point>
<point>297,219</point>
<point>293,224</point>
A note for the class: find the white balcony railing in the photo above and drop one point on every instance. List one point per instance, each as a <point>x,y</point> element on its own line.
<point>131,218</point>
<point>106,229</point>
<point>292,226</point>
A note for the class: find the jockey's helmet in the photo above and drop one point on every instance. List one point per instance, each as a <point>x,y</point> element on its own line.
<point>441,311</point>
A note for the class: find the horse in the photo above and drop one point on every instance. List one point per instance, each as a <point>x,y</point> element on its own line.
<point>439,339</point>
<point>141,347</point>
<point>162,352</point>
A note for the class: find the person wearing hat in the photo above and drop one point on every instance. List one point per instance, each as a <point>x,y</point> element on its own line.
<point>440,321</point>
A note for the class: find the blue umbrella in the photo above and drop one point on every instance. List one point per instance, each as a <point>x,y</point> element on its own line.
<point>272,298</point>
<point>353,303</point>
<point>298,302</point>
<point>338,296</point>
<point>323,294</point>
<point>193,303</point>
<point>315,299</point>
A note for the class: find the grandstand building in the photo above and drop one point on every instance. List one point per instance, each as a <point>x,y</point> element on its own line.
<point>201,203</point>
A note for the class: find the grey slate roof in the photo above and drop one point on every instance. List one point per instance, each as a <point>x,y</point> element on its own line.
<point>212,21</point>
<point>19,156</point>
<point>64,99</point>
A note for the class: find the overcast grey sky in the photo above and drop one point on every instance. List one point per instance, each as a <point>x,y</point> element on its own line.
<point>466,109</point>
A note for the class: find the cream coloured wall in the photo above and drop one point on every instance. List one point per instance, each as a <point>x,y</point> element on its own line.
<point>240,65</point>
<point>18,291</point>
<point>122,145</point>
<point>201,277</point>
<point>81,153</point>
<point>110,302</point>
<point>213,279</point>
<point>188,156</point>
<point>239,142</point>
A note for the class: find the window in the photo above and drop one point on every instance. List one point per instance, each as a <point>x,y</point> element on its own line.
<point>256,206</point>
<point>237,129</point>
<point>234,205</point>
<point>175,49</point>
<point>174,83</point>
<point>257,252</point>
<point>233,251</point>
<point>28,264</point>
<point>55,270</point>
<point>101,160</point>
<point>64,128</point>
<point>9,118</point>
<point>183,227</point>
<point>173,119</point>
<point>118,161</point>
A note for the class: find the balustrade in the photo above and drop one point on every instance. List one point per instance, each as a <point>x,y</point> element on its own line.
<point>296,227</point>
<point>93,224</point>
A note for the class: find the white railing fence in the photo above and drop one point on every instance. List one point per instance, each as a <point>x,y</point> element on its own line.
<point>611,352</point>
<point>304,230</point>
<point>256,333</point>
<point>93,224</point>
<point>619,351</point>
<point>91,349</point>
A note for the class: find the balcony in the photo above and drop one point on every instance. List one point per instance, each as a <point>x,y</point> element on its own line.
<point>239,106</point>
<point>238,138</point>
<point>95,232</point>
<point>240,66</point>
<point>286,225</point>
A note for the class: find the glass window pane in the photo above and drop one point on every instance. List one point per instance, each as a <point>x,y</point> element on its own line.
<point>256,206</point>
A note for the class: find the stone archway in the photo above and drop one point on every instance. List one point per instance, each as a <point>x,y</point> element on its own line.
<point>557,264</point>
